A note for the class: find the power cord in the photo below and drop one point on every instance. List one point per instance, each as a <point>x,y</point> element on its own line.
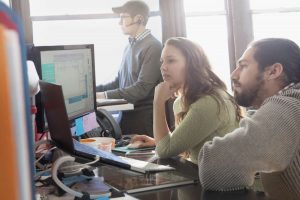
<point>42,156</point>
<point>42,167</point>
<point>40,142</point>
<point>55,168</point>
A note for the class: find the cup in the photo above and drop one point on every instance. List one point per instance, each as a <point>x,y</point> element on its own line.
<point>103,143</point>
<point>87,141</point>
<point>105,146</point>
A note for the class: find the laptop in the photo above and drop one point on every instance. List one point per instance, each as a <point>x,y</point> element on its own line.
<point>58,124</point>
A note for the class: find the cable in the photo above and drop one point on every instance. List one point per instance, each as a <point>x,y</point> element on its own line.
<point>81,165</point>
<point>39,166</point>
<point>42,156</point>
<point>42,135</point>
<point>55,168</point>
<point>40,173</point>
<point>37,144</point>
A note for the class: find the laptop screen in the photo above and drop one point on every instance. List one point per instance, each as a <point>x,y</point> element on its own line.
<point>56,113</point>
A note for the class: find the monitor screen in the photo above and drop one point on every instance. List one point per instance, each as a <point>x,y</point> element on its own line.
<point>71,66</point>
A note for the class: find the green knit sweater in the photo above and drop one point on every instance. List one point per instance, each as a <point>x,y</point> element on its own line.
<point>202,122</point>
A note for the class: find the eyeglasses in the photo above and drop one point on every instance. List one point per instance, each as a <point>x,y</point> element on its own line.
<point>122,17</point>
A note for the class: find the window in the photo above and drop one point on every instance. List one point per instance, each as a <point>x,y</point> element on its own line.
<point>275,18</point>
<point>75,7</point>
<point>57,22</point>
<point>206,24</point>
<point>6,2</point>
<point>273,4</point>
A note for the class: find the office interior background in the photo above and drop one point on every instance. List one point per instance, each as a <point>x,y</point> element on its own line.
<point>222,27</point>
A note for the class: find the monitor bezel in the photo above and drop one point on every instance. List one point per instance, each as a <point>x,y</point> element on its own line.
<point>36,58</point>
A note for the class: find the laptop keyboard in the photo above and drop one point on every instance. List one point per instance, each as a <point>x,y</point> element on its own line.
<point>134,163</point>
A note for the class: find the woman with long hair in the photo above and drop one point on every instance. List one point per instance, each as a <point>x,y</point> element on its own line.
<point>203,109</point>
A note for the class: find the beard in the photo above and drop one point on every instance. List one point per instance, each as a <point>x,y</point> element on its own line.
<point>247,96</point>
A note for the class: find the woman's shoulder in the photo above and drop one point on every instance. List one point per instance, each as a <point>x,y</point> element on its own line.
<point>205,100</point>
<point>210,101</point>
<point>204,104</point>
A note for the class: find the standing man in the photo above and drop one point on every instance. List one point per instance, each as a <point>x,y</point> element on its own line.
<point>139,71</point>
<point>267,77</point>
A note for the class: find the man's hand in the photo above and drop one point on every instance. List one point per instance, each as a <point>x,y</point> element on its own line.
<point>100,95</point>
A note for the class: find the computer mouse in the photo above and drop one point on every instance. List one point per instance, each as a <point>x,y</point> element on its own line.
<point>126,137</point>
<point>135,144</point>
<point>126,142</point>
<point>122,143</point>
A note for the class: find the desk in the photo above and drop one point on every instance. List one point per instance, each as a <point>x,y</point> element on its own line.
<point>194,192</point>
<point>114,104</point>
<point>187,192</point>
<point>119,107</point>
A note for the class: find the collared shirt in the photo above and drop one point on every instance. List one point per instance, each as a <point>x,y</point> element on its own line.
<point>139,37</point>
<point>286,87</point>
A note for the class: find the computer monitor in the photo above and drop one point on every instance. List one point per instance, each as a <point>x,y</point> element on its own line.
<point>71,66</point>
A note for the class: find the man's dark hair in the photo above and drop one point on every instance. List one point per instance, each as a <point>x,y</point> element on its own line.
<point>278,50</point>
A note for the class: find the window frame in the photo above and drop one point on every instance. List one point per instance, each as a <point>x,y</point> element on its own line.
<point>240,19</point>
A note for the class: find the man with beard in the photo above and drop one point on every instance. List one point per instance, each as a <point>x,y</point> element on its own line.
<point>267,77</point>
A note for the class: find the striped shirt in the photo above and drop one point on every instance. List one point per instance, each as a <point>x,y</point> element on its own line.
<point>139,37</point>
<point>268,142</point>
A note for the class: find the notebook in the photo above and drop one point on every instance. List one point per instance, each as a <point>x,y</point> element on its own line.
<point>58,124</point>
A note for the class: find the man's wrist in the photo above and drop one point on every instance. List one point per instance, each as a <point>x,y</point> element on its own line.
<point>101,95</point>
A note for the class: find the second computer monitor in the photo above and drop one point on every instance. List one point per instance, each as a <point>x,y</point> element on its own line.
<point>71,66</point>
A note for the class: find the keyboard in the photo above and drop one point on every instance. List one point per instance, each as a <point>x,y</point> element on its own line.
<point>144,166</point>
<point>134,164</point>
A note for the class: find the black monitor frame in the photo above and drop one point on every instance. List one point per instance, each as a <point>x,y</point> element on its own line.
<point>34,54</point>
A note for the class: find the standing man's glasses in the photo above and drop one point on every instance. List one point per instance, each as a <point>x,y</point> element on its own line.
<point>124,17</point>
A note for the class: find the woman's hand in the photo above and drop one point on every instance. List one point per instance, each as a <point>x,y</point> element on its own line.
<point>141,141</point>
<point>163,92</point>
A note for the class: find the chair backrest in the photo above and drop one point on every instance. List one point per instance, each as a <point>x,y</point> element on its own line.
<point>170,114</point>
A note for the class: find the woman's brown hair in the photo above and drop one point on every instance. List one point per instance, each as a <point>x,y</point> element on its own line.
<point>200,80</point>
